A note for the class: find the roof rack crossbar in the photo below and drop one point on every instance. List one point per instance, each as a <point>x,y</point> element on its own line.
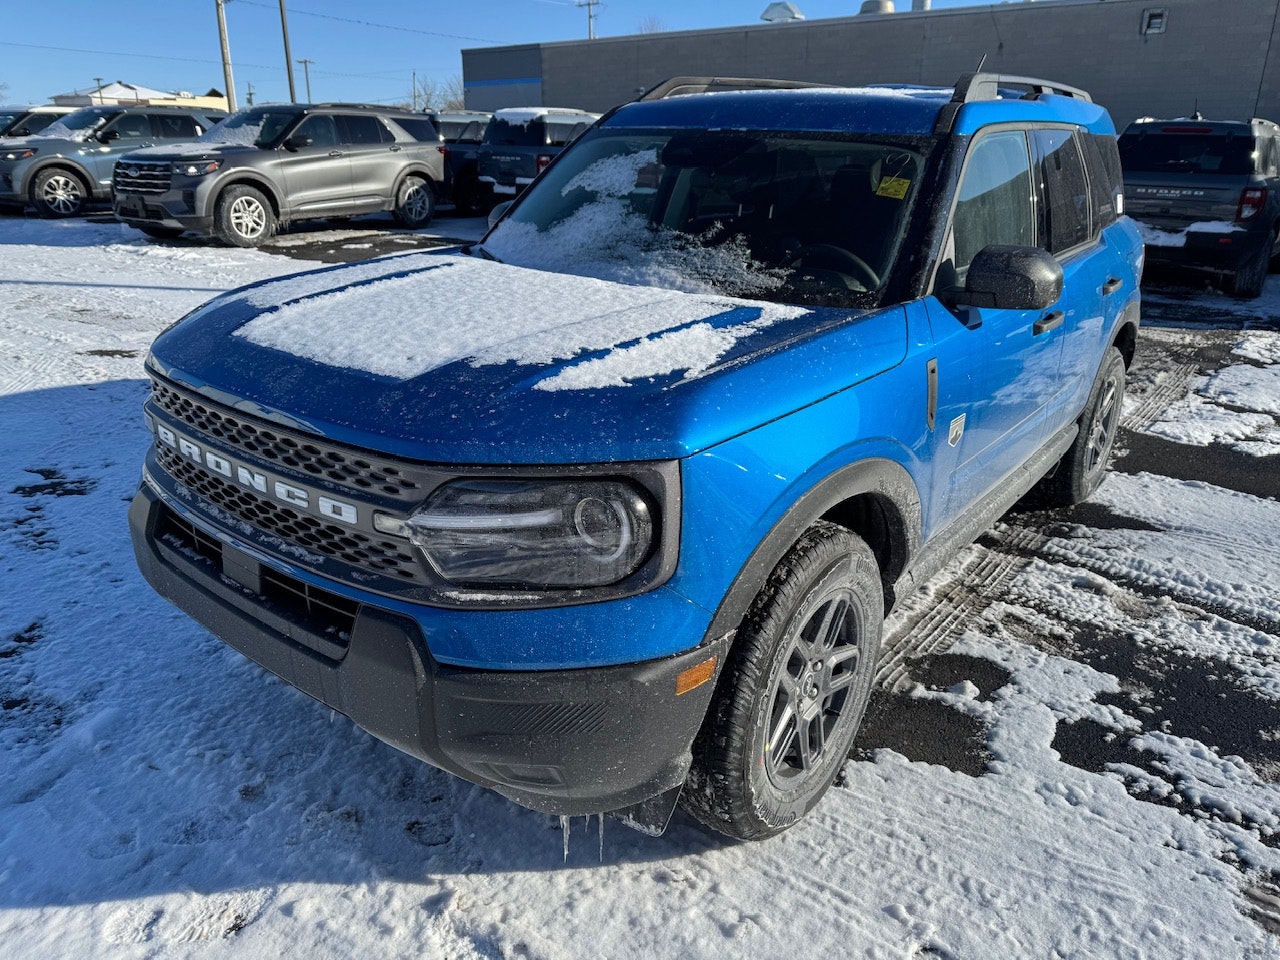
<point>680,86</point>
<point>978,86</point>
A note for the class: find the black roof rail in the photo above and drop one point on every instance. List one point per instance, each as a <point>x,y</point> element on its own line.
<point>679,86</point>
<point>977,86</point>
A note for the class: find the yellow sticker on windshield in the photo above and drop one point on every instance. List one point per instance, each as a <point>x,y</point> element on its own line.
<point>895,187</point>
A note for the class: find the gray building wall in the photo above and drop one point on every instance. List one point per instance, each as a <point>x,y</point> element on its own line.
<point>1218,55</point>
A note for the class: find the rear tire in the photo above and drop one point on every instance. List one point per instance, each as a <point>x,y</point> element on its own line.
<point>794,689</point>
<point>1248,281</point>
<point>58,193</point>
<point>1081,469</point>
<point>243,217</point>
<point>415,203</point>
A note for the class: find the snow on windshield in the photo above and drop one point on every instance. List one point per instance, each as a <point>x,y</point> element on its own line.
<point>74,126</point>
<point>608,237</point>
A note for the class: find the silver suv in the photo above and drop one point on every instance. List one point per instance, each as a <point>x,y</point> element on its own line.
<point>69,164</point>
<point>268,166</point>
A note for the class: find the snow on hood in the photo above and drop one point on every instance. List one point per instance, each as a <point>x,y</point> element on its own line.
<point>386,321</point>
<point>193,149</point>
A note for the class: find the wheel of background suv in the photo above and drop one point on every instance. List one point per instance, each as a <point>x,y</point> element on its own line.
<point>1250,279</point>
<point>57,192</point>
<point>415,202</point>
<point>160,233</point>
<point>1084,465</point>
<point>243,217</point>
<point>793,691</point>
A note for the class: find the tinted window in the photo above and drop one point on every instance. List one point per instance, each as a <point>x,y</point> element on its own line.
<point>505,133</point>
<point>1186,150</point>
<point>132,126</point>
<point>1103,163</point>
<point>1066,189</point>
<point>994,204</point>
<point>560,132</point>
<point>462,131</point>
<point>323,131</point>
<point>175,126</point>
<point>420,128</point>
<point>362,129</point>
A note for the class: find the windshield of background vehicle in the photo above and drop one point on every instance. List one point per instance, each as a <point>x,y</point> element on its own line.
<point>788,218</point>
<point>78,125</point>
<point>260,127</point>
<point>1186,153</point>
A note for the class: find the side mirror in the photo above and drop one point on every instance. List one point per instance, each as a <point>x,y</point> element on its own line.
<point>107,136</point>
<point>1012,278</point>
<point>20,132</point>
<point>497,212</point>
<point>293,144</point>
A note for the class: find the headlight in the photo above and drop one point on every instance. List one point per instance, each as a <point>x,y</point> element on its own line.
<point>196,169</point>
<point>23,154</point>
<point>562,534</point>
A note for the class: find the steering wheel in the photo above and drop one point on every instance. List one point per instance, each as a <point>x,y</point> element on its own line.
<point>836,258</point>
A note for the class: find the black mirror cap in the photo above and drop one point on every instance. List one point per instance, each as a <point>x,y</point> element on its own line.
<point>108,136</point>
<point>297,143</point>
<point>1010,277</point>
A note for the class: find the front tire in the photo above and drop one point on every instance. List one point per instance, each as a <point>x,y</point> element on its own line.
<point>58,193</point>
<point>1085,464</point>
<point>243,217</point>
<point>793,691</point>
<point>415,203</point>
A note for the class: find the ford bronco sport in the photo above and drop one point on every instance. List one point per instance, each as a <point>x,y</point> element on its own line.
<point>1206,195</point>
<point>519,143</point>
<point>268,166</point>
<point>621,522</point>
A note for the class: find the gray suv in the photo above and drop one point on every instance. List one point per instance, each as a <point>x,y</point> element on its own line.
<point>268,166</point>
<point>69,164</point>
<point>1206,195</point>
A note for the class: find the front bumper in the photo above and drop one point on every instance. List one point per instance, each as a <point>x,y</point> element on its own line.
<point>176,210</point>
<point>568,742</point>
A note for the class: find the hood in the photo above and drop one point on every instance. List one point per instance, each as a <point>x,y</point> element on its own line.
<point>450,358</point>
<point>191,151</point>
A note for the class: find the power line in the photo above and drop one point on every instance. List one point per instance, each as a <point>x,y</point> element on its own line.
<point>131,56</point>
<point>370,23</point>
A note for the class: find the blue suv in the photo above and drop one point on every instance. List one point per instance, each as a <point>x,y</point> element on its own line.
<point>606,512</point>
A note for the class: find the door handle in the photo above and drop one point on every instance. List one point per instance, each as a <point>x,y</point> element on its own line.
<point>335,153</point>
<point>395,149</point>
<point>1112,285</point>
<point>1047,323</point>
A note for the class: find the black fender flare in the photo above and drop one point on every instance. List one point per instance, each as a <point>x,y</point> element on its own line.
<point>892,490</point>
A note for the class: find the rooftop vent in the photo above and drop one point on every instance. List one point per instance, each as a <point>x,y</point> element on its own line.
<point>781,13</point>
<point>876,6</point>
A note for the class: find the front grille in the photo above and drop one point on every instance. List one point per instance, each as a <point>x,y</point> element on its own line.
<point>277,446</point>
<point>318,611</point>
<point>138,177</point>
<point>385,557</point>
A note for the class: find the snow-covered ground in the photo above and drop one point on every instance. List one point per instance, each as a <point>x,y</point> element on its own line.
<point>1110,676</point>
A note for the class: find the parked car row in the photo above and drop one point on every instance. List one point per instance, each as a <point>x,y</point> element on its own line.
<point>1206,193</point>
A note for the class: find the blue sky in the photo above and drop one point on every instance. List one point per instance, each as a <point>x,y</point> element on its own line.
<point>360,51</point>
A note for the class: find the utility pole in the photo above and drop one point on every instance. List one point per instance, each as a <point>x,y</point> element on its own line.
<point>591,16</point>
<point>98,81</point>
<point>288,62</point>
<point>249,96</point>
<point>306,72</point>
<point>226,56</point>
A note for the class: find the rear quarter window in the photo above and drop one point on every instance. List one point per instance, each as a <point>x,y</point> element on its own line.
<point>420,128</point>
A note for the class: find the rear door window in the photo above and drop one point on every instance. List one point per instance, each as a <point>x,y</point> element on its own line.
<point>1066,187</point>
<point>362,130</point>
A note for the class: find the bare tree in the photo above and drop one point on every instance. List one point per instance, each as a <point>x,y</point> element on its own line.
<point>4,90</point>
<point>438,94</point>
<point>651,25</point>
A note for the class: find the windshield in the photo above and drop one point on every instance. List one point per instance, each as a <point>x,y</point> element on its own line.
<point>1190,152</point>
<point>793,219</point>
<point>79,125</point>
<point>259,127</point>
<point>8,116</point>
